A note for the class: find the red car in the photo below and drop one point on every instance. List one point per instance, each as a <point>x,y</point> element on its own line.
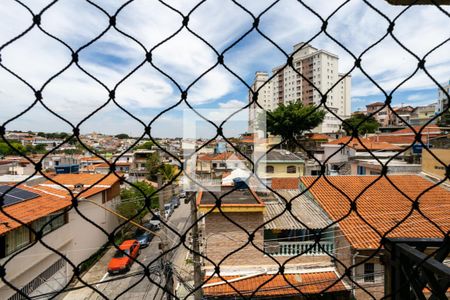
<point>122,262</point>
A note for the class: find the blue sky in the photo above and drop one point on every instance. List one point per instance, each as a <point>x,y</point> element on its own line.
<point>73,94</point>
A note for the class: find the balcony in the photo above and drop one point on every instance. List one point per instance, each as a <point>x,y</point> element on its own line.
<point>296,248</point>
<point>415,268</point>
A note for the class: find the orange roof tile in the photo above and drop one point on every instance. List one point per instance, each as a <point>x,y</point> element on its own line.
<point>357,144</point>
<point>274,285</point>
<point>318,136</point>
<point>428,129</point>
<point>221,156</point>
<point>85,179</point>
<point>59,191</point>
<point>70,180</point>
<point>285,183</point>
<point>383,206</point>
<point>89,158</point>
<point>376,104</point>
<point>31,210</point>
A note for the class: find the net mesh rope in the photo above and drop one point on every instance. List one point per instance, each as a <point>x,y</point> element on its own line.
<point>153,271</point>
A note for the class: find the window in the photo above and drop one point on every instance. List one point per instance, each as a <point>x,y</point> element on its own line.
<point>269,169</point>
<point>361,170</point>
<point>369,272</point>
<point>16,239</point>
<point>222,165</point>
<point>291,169</point>
<point>53,225</point>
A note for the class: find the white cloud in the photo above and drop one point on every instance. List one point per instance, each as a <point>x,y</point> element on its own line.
<point>232,104</point>
<point>74,95</point>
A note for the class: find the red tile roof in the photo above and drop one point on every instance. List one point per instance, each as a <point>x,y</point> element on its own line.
<point>31,210</point>
<point>383,206</point>
<point>427,130</point>
<point>376,104</point>
<point>221,156</point>
<point>85,179</point>
<point>318,137</point>
<point>285,183</point>
<point>273,285</point>
<point>357,144</point>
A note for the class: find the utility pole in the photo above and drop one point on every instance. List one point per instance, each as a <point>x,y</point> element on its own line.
<point>198,278</point>
<point>164,246</point>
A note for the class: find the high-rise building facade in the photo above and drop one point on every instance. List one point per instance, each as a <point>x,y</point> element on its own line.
<point>442,103</point>
<point>320,68</point>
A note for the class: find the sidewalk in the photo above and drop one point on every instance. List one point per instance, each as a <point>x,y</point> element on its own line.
<point>95,274</point>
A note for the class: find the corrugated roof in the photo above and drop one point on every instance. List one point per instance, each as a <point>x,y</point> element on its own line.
<point>274,285</point>
<point>304,209</point>
<point>383,206</point>
<point>281,155</point>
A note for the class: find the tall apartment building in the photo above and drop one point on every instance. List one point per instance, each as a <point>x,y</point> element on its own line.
<point>320,67</point>
<point>265,96</point>
<point>442,103</point>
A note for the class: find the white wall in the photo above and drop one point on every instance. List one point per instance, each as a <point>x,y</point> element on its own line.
<point>78,240</point>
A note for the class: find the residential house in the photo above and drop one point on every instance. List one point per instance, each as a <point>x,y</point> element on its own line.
<point>280,163</point>
<point>380,113</point>
<point>407,137</point>
<point>138,168</point>
<point>402,115</point>
<point>104,168</point>
<point>88,161</point>
<point>421,115</point>
<point>123,157</point>
<point>276,238</point>
<point>383,206</point>
<point>215,165</point>
<point>433,167</point>
<point>372,166</point>
<point>31,266</point>
<point>340,155</point>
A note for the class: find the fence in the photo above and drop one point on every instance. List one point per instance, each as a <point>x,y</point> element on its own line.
<point>185,96</point>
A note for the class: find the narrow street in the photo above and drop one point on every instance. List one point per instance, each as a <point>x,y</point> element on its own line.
<point>142,288</point>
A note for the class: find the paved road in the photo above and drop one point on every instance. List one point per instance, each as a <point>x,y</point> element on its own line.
<point>142,287</point>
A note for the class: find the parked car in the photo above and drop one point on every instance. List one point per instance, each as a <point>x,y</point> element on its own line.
<point>175,202</point>
<point>155,221</point>
<point>124,257</point>
<point>143,237</point>
<point>182,194</point>
<point>151,226</point>
<point>168,208</point>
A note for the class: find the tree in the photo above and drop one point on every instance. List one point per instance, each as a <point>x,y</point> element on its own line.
<point>39,149</point>
<point>146,146</point>
<point>122,136</point>
<point>5,149</point>
<point>359,121</point>
<point>444,119</point>
<point>152,165</point>
<point>132,200</point>
<point>168,173</point>
<point>292,120</point>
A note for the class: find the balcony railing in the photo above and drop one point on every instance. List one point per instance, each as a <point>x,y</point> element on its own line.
<point>415,268</point>
<point>296,248</point>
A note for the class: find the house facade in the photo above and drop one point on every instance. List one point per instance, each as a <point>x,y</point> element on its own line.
<point>31,266</point>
